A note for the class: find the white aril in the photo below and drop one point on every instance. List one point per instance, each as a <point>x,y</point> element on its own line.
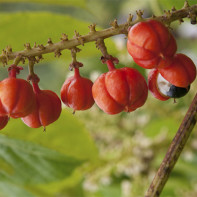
<point>170,90</point>
<point>163,85</point>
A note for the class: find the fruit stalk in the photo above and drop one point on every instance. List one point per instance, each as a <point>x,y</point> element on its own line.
<point>110,65</point>
<point>77,74</point>
<point>174,151</point>
<point>36,88</point>
<point>12,73</point>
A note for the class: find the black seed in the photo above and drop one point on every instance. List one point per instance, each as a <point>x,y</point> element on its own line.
<point>177,92</point>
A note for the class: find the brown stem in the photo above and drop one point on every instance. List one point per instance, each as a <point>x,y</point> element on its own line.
<point>167,18</point>
<point>31,66</point>
<point>75,63</point>
<point>32,76</point>
<point>17,60</point>
<point>100,44</point>
<point>174,151</point>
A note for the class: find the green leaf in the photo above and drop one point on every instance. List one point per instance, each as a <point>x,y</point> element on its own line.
<point>28,163</point>
<point>20,28</point>
<point>158,125</point>
<point>59,2</point>
<point>109,10</point>
<point>9,190</point>
<point>177,3</point>
<point>67,136</point>
<point>74,11</point>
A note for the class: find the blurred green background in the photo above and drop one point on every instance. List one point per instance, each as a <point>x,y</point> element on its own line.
<point>91,154</point>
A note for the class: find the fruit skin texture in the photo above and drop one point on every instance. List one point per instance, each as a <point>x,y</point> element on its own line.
<point>120,89</point>
<point>76,92</point>
<point>17,98</point>
<point>149,42</point>
<point>152,85</point>
<point>3,121</point>
<point>47,109</point>
<point>181,72</point>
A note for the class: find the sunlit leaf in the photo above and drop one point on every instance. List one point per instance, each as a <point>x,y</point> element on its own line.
<point>72,10</point>
<point>177,3</point>
<point>28,163</point>
<point>61,2</point>
<point>109,10</point>
<point>24,163</point>
<point>10,189</point>
<point>20,28</point>
<point>156,126</point>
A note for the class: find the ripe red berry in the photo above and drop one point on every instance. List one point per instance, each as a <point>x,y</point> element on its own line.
<point>16,95</point>
<point>149,42</point>
<point>181,72</point>
<point>163,89</point>
<point>47,109</point>
<point>3,121</point>
<point>76,92</point>
<point>120,89</point>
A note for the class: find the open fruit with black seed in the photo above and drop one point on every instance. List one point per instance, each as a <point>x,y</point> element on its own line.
<point>163,89</point>
<point>174,80</point>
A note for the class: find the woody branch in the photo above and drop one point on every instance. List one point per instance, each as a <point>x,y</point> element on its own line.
<point>115,29</point>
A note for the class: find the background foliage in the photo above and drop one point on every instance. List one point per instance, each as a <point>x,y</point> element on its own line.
<point>91,154</point>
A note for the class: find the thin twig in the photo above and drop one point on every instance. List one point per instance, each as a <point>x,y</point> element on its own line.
<point>65,43</point>
<point>174,151</point>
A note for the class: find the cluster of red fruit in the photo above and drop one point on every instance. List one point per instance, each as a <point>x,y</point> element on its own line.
<point>114,91</point>
<point>152,46</point>
<point>18,99</point>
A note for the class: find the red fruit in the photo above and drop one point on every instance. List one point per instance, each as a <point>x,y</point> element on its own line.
<point>149,42</point>
<point>16,95</point>
<point>120,89</point>
<point>76,92</point>
<point>153,85</point>
<point>47,110</point>
<point>3,121</point>
<point>181,72</point>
